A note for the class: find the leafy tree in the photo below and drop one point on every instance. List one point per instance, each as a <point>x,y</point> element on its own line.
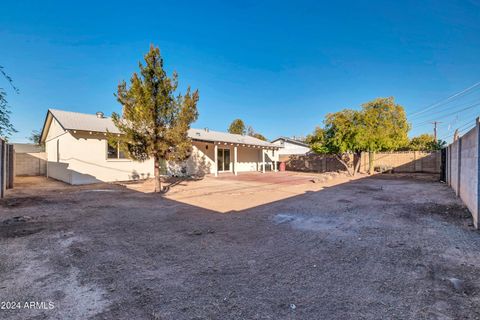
<point>6,127</point>
<point>379,126</point>
<point>425,142</point>
<point>237,127</point>
<point>259,136</point>
<point>252,133</point>
<point>384,127</point>
<point>154,122</point>
<point>339,137</point>
<point>317,141</point>
<point>35,137</point>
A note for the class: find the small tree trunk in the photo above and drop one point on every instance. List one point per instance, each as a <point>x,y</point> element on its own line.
<point>371,157</point>
<point>356,166</point>
<point>346,165</point>
<point>158,181</point>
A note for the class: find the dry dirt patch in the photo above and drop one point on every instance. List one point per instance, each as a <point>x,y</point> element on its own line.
<point>392,247</point>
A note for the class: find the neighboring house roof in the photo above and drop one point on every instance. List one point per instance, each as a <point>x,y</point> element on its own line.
<point>300,143</point>
<point>91,122</point>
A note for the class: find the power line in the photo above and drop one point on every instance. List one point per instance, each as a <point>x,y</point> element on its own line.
<point>451,113</point>
<point>450,109</point>
<point>444,101</point>
<point>465,126</point>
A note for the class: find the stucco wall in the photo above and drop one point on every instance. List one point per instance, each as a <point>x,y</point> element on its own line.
<point>81,158</point>
<point>202,160</point>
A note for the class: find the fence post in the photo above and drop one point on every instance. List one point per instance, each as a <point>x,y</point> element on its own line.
<point>459,172</point>
<point>2,168</point>
<point>475,219</point>
<point>449,164</point>
<point>11,166</point>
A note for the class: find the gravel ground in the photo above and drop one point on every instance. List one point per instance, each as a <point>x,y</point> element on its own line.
<point>383,247</point>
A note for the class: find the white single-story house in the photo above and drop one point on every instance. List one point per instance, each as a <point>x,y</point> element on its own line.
<point>78,152</point>
<point>291,146</point>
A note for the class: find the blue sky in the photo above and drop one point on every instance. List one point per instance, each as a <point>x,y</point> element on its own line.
<point>280,66</point>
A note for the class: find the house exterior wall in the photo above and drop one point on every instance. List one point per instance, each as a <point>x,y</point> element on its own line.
<point>81,158</point>
<point>200,163</point>
<point>202,160</point>
<point>290,148</point>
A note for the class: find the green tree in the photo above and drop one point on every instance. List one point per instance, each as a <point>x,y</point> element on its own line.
<point>380,125</point>
<point>35,137</point>
<point>6,127</point>
<point>259,136</point>
<point>154,121</point>
<point>317,141</point>
<point>384,127</point>
<point>341,138</point>
<point>425,142</point>
<point>252,133</point>
<point>237,127</point>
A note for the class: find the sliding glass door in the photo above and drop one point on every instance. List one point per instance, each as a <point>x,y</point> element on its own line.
<point>223,157</point>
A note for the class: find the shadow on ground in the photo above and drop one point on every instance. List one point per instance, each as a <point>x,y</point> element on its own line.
<point>380,247</point>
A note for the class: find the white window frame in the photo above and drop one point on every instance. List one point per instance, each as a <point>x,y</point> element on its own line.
<point>118,153</point>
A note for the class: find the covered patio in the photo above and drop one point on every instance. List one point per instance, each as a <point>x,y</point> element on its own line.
<point>220,152</point>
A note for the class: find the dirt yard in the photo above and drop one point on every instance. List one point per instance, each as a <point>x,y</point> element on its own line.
<point>273,246</point>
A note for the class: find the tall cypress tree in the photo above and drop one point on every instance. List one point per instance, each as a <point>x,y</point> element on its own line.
<point>154,121</point>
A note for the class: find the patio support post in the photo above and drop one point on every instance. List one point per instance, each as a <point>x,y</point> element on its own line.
<point>275,165</point>
<point>263,161</point>
<point>215,157</point>
<point>235,160</point>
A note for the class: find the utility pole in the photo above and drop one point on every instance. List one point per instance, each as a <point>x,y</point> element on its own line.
<point>435,123</point>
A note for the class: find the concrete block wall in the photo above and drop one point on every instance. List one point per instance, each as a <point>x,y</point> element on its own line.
<point>453,166</point>
<point>463,165</point>
<point>312,163</point>
<point>31,164</point>
<point>404,161</point>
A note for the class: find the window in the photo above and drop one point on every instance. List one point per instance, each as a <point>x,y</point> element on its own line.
<point>114,152</point>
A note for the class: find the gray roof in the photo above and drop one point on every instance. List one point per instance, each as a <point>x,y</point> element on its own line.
<point>209,135</point>
<point>301,143</point>
<point>90,122</point>
<point>82,121</point>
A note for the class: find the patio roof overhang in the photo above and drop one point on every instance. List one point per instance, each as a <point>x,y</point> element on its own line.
<point>238,144</point>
